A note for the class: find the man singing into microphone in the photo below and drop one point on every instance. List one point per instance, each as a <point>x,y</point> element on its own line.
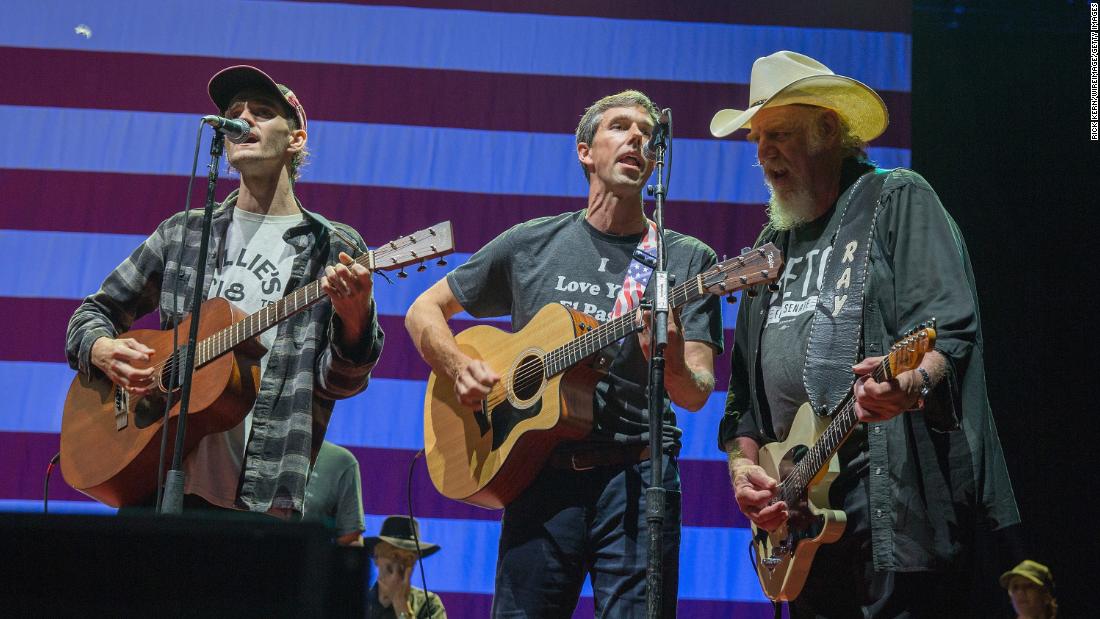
<point>585,512</point>
<point>264,244</point>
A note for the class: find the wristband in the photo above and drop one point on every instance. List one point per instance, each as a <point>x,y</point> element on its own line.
<point>925,388</point>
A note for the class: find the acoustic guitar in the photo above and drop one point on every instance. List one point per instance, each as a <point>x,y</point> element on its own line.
<point>110,441</point>
<point>549,370</point>
<point>807,464</point>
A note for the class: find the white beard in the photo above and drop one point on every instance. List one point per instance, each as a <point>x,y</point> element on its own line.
<point>791,210</point>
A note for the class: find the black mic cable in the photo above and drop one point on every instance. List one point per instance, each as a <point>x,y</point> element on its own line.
<point>46,483</point>
<point>416,539</point>
<point>175,359</point>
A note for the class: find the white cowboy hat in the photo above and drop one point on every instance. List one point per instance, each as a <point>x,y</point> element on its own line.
<point>787,77</point>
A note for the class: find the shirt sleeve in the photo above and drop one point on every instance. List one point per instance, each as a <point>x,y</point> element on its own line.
<point>349,500</point>
<point>129,292</point>
<point>702,318</point>
<point>739,419</point>
<point>932,279</point>
<point>344,371</point>
<point>483,284</point>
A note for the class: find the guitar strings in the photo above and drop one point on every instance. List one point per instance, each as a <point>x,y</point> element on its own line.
<point>227,334</point>
<point>803,472</point>
<point>534,373</point>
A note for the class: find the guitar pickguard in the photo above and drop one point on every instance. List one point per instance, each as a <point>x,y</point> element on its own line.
<point>505,417</point>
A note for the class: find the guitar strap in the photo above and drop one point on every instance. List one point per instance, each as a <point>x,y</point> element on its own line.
<point>837,325</point>
<point>635,282</point>
<point>642,263</point>
<point>327,225</point>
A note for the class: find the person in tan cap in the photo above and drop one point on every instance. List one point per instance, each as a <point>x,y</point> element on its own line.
<point>870,254</point>
<point>395,551</point>
<point>1030,586</point>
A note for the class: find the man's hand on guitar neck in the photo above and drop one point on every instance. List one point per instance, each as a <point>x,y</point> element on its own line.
<point>754,489</point>
<point>115,357</point>
<point>879,401</point>
<point>689,365</point>
<point>350,288</point>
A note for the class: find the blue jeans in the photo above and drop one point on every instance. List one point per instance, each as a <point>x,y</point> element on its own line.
<point>570,524</point>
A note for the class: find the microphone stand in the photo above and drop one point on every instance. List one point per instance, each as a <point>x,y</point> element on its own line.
<point>655,494</point>
<point>172,502</point>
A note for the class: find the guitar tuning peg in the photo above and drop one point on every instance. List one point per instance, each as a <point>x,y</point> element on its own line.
<point>441,262</point>
<point>751,292</point>
<point>745,250</point>
<point>421,268</point>
<point>731,299</point>
<point>773,287</point>
<point>402,274</point>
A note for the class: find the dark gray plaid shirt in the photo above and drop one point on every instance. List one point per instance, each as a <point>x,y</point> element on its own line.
<point>306,371</point>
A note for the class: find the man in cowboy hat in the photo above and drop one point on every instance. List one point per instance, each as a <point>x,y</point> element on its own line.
<point>870,254</point>
<point>1030,586</point>
<point>395,551</point>
<point>263,245</point>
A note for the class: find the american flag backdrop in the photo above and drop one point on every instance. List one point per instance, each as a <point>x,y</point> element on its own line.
<point>433,110</point>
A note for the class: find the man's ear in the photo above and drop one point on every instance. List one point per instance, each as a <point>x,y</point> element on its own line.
<point>829,125</point>
<point>297,140</point>
<point>584,155</point>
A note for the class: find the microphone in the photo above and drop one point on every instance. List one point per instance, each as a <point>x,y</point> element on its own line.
<point>659,138</point>
<point>236,131</point>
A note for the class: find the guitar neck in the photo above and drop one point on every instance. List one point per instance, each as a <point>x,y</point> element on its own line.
<point>572,353</point>
<point>826,446</point>
<point>256,323</point>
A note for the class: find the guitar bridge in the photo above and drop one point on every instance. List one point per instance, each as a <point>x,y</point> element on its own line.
<point>122,408</point>
<point>777,554</point>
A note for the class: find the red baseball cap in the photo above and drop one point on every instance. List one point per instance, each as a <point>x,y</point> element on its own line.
<point>231,80</point>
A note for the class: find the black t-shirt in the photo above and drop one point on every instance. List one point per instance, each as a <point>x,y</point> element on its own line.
<point>563,259</point>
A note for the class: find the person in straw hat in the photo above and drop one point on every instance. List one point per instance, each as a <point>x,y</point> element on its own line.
<point>1030,586</point>
<point>395,551</point>
<point>870,254</point>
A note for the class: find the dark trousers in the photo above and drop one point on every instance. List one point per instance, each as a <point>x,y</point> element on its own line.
<point>573,524</point>
<point>843,584</point>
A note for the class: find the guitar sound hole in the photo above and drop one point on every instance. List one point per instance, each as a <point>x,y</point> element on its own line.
<point>527,378</point>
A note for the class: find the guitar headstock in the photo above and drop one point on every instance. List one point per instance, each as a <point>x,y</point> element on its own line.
<point>414,248</point>
<point>907,353</point>
<point>756,266</point>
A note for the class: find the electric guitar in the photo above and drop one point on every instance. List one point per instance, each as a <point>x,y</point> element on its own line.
<point>807,465</point>
<point>110,441</point>
<point>488,455</point>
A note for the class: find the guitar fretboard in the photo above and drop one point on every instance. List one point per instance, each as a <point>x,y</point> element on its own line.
<point>572,353</point>
<point>425,244</point>
<point>254,324</point>
<point>844,421</point>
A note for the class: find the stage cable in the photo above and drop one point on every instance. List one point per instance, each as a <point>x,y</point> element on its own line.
<point>46,482</point>
<point>416,539</point>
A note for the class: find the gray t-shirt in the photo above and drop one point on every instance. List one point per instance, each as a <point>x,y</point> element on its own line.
<point>563,259</point>
<point>334,493</point>
<point>790,310</point>
<point>252,272</point>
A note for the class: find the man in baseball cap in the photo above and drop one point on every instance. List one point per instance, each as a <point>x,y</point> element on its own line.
<point>261,234</point>
<point>231,82</point>
<point>1030,586</point>
<point>870,254</point>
